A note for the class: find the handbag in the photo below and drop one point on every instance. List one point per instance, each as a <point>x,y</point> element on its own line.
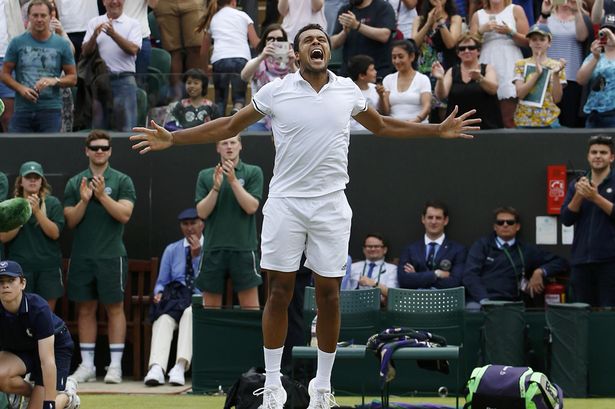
<point>176,297</point>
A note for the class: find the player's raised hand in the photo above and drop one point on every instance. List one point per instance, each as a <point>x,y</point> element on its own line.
<point>155,139</point>
<point>456,126</point>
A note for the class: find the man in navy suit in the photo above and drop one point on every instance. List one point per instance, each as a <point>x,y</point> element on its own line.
<point>434,261</point>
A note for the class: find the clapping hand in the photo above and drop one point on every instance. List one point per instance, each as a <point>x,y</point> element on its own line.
<point>437,71</point>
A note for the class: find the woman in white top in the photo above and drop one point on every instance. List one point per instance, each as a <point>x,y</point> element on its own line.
<point>231,30</point>
<point>408,93</point>
<point>503,26</point>
<point>299,13</point>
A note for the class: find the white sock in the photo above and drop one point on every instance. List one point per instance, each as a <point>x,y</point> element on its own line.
<point>87,354</point>
<point>323,370</point>
<point>117,350</point>
<point>273,364</point>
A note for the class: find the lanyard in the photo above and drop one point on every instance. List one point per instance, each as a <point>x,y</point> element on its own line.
<point>380,271</point>
<point>512,263</point>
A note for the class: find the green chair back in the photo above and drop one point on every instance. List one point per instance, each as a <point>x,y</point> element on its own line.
<point>161,60</point>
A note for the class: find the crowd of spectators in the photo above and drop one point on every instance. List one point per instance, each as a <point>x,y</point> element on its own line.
<point>224,42</point>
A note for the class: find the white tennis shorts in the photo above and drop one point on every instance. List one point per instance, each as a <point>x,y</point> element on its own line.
<point>318,226</point>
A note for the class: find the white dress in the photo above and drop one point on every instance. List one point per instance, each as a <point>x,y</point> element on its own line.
<point>500,51</point>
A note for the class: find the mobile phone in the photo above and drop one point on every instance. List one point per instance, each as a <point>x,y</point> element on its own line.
<point>378,80</point>
<point>602,37</point>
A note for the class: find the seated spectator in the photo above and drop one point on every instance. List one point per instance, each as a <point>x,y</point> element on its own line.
<point>117,38</point>
<point>537,106</point>
<point>470,85</point>
<point>365,27</point>
<point>178,269</point>
<point>38,57</point>
<point>408,91</point>
<point>265,67</point>
<point>233,32</point>
<point>363,72</point>
<point>298,13</point>
<point>35,245</point>
<point>435,261</point>
<point>436,32</point>
<point>194,110</point>
<point>598,71</point>
<point>502,267</point>
<point>572,31</point>
<point>503,26</point>
<point>374,271</point>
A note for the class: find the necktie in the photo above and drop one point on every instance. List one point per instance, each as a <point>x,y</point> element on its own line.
<point>370,270</point>
<point>189,269</point>
<point>431,255</point>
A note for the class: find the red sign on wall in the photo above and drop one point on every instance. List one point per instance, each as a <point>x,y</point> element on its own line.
<point>556,188</point>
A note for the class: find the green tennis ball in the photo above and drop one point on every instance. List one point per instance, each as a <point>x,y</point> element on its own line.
<point>14,213</point>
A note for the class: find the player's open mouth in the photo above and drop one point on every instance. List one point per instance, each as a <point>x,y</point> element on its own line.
<point>317,54</point>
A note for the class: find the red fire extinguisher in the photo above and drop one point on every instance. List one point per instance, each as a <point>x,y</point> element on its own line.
<point>555,293</point>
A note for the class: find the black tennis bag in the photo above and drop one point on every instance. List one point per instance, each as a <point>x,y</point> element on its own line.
<point>511,387</point>
<point>241,394</point>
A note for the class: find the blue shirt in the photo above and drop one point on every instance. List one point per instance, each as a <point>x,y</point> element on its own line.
<point>35,59</point>
<point>34,321</point>
<point>173,265</point>
<point>604,99</point>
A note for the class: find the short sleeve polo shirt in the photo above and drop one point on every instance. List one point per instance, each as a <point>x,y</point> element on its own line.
<point>99,235</point>
<point>229,227</point>
<point>311,133</point>
<point>32,248</point>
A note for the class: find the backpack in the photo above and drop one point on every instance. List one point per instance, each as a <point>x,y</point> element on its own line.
<point>510,387</point>
<point>240,396</point>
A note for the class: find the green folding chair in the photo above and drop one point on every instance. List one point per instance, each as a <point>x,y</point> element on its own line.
<point>438,311</point>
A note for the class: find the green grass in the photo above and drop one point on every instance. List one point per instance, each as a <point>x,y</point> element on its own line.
<point>217,402</point>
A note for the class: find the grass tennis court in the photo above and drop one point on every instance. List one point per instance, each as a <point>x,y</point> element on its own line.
<point>217,402</point>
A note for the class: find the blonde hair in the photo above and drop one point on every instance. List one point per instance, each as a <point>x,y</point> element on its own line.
<point>468,36</point>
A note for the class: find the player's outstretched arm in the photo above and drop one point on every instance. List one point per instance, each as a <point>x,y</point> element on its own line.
<point>158,138</point>
<point>452,127</point>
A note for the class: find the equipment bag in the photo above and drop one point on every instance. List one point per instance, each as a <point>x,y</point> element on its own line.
<point>510,387</point>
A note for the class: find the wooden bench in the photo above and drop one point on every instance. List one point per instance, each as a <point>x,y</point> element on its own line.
<point>140,282</point>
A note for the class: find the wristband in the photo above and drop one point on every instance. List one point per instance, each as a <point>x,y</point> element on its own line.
<point>49,404</point>
<point>544,15</point>
<point>359,26</point>
<point>512,33</point>
<point>57,81</point>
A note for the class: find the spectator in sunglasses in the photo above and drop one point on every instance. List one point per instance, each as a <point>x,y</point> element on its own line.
<point>501,267</point>
<point>470,83</point>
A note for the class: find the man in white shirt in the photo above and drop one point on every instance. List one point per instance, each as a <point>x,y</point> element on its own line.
<point>374,271</point>
<point>74,16</point>
<point>307,210</point>
<point>118,39</point>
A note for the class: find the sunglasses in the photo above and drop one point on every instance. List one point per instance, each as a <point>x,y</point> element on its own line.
<point>503,222</point>
<point>467,48</point>
<point>279,39</point>
<point>96,148</point>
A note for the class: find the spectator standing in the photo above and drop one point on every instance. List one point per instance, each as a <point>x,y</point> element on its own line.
<point>332,8</point>
<point>408,92</point>
<point>503,26</point>
<point>137,9</point>
<point>502,267</point>
<point>436,261</point>
<point>178,269</point>
<point>11,25</point>
<point>265,67</point>
<point>544,115</point>
<point>233,32</point>
<point>598,72</point>
<point>298,13</point>
<point>571,30</point>
<point>177,20</point>
<point>363,73</point>
<point>365,27</point>
<point>405,14</point>
<point>470,85</point>
<point>588,207</point>
<point>118,40</point>
<point>228,196</point>
<point>374,271</point>
<point>38,58</point>
<point>194,110</point>
<point>35,245</point>
<point>74,16</point>
<point>35,341</point>
<point>98,202</point>
<point>600,9</point>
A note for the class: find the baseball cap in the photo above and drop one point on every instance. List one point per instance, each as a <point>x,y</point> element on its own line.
<point>608,21</point>
<point>31,167</point>
<point>188,214</point>
<point>542,29</point>
<point>10,268</point>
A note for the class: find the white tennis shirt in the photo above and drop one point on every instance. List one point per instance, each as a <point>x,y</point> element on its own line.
<point>311,133</point>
